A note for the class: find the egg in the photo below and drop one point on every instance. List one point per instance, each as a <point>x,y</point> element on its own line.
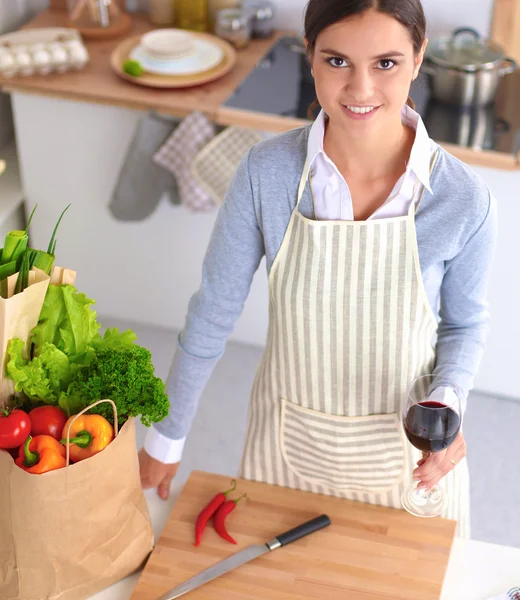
<point>8,65</point>
<point>78,54</point>
<point>59,57</point>
<point>23,61</point>
<point>42,61</point>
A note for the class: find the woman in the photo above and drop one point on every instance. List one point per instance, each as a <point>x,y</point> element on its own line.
<point>371,232</point>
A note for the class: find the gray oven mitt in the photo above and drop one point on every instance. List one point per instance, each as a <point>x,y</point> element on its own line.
<point>142,183</point>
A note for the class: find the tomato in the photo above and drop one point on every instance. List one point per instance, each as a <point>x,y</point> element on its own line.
<point>15,427</point>
<point>47,420</point>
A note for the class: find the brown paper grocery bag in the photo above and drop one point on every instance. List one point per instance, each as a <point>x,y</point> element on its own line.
<point>69,533</point>
<point>19,313</point>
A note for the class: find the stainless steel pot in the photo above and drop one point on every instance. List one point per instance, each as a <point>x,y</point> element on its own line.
<point>465,69</point>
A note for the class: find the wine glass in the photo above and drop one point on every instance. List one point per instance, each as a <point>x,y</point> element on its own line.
<point>431,425</point>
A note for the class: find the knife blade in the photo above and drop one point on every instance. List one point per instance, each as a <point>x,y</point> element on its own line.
<point>246,555</point>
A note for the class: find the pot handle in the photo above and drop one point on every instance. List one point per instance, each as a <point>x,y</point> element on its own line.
<point>469,30</point>
<point>511,68</point>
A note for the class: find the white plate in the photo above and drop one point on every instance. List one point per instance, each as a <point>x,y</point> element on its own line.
<point>206,55</point>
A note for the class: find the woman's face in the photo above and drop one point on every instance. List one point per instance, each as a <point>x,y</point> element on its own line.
<point>363,67</point>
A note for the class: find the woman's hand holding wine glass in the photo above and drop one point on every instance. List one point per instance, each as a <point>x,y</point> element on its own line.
<point>434,428</point>
<point>434,467</point>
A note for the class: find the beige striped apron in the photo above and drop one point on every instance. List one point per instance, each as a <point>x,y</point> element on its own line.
<point>350,327</point>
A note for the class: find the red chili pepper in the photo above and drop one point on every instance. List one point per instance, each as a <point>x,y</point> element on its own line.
<point>208,511</point>
<point>219,520</point>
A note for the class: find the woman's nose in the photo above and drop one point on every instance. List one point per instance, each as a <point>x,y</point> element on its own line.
<point>360,86</point>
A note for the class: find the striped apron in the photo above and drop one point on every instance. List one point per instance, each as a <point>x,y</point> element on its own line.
<point>350,327</point>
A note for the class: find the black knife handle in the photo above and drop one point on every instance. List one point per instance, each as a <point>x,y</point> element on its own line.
<point>303,530</point>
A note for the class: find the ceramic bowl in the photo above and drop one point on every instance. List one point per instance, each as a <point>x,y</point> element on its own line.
<point>167,44</point>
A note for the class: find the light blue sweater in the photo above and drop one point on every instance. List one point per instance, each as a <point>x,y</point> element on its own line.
<point>456,232</point>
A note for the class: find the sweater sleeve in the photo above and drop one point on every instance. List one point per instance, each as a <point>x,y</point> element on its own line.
<point>464,315</point>
<point>234,253</point>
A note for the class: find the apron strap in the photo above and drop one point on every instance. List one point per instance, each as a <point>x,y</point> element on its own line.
<point>303,183</point>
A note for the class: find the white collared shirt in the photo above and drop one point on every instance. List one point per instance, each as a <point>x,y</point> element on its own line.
<point>332,197</point>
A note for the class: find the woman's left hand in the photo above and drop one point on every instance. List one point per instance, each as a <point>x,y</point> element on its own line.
<point>435,466</point>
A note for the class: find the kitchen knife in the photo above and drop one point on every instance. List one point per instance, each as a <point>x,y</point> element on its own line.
<point>246,555</point>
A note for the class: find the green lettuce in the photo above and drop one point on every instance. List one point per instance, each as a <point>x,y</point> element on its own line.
<point>46,378</point>
<point>68,322</point>
<point>72,365</point>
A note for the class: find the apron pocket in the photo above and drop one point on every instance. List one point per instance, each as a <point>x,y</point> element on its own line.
<point>359,454</point>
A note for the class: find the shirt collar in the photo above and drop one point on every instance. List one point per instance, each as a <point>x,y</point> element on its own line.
<point>419,161</point>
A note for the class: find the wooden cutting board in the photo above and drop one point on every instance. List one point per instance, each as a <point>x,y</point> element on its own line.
<point>368,553</point>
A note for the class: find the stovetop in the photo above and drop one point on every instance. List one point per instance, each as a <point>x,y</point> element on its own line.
<point>281,84</point>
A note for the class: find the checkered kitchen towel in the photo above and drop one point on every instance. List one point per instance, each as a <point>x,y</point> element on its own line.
<point>216,163</point>
<point>177,154</point>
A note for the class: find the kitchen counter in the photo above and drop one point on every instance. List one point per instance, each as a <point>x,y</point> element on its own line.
<point>97,83</point>
<point>477,570</point>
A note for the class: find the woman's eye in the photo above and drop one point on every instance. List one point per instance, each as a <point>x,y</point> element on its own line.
<point>386,64</point>
<point>336,61</point>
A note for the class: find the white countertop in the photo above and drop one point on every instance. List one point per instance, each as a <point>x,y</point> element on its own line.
<point>477,570</point>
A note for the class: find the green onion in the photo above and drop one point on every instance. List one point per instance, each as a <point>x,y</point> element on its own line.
<point>14,248</point>
<point>43,260</point>
<point>23,276</point>
<point>52,244</point>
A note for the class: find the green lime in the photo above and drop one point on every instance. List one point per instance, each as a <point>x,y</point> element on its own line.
<point>132,67</point>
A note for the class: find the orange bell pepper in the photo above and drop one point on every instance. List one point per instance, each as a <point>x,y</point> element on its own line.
<point>89,434</point>
<point>41,454</point>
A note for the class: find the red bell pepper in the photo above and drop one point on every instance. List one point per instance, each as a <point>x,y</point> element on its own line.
<point>15,427</point>
<point>47,420</point>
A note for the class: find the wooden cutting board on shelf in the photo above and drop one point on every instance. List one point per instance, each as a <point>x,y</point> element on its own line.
<point>367,553</point>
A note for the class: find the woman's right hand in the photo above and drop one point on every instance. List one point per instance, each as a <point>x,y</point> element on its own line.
<point>155,473</point>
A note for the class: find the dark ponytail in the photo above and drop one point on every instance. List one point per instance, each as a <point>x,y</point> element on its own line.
<point>320,14</point>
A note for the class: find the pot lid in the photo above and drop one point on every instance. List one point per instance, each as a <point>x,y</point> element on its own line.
<point>465,50</point>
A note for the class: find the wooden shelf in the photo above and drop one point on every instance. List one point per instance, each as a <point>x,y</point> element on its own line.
<point>97,83</point>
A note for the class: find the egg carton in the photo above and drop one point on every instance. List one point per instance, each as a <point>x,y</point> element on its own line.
<point>41,52</point>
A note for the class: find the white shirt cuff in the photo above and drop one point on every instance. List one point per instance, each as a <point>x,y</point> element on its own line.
<point>162,448</point>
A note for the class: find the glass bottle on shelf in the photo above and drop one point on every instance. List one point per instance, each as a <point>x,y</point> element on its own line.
<point>216,5</point>
<point>93,13</point>
<point>192,14</point>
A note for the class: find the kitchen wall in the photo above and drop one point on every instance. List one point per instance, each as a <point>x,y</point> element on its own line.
<point>442,15</point>
<point>13,13</point>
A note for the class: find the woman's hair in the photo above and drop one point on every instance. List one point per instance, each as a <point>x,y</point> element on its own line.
<point>320,14</point>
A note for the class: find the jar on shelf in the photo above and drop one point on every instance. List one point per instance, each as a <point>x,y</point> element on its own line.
<point>261,13</point>
<point>161,12</point>
<point>98,18</point>
<point>192,14</point>
<point>234,26</point>
<point>215,5</point>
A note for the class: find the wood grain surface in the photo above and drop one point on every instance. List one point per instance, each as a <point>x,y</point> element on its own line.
<point>368,553</point>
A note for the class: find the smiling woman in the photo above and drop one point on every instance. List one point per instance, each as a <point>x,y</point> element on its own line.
<point>368,226</point>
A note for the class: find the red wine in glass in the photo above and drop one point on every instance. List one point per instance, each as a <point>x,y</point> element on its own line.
<point>431,426</point>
